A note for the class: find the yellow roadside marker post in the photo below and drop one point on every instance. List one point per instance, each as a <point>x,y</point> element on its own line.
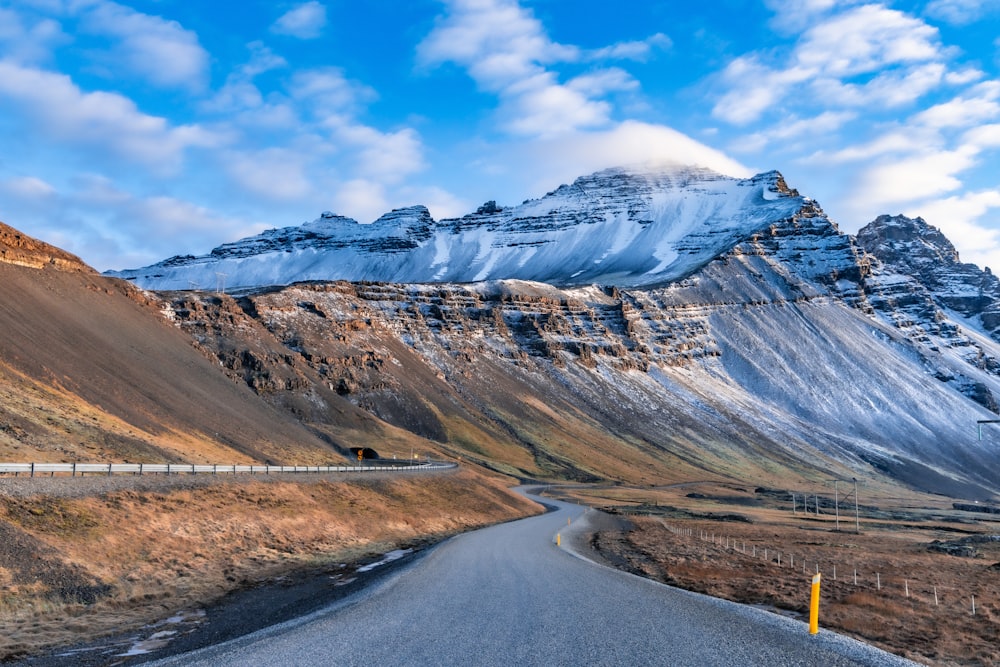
<point>814,606</point>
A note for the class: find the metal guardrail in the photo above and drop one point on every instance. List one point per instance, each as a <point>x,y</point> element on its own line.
<point>81,469</point>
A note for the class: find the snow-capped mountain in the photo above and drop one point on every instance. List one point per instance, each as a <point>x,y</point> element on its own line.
<point>660,320</point>
<point>911,247</point>
<point>627,227</point>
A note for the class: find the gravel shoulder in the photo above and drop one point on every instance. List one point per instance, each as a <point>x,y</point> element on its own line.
<point>277,600</point>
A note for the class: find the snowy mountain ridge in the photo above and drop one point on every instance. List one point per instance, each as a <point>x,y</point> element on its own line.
<point>628,227</point>
<point>726,323</point>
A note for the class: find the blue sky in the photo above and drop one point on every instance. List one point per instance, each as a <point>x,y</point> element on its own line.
<point>131,131</point>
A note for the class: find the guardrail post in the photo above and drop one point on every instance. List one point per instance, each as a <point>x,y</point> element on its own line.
<point>140,470</point>
<point>32,469</point>
<point>74,470</point>
<point>109,469</point>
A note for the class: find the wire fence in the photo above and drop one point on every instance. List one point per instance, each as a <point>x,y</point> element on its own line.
<point>842,579</point>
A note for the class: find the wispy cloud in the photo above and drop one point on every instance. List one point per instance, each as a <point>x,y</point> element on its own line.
<point>306,21</point>
<point>507,51</point>
<point>108,121</point>
<point>961,12</point>
<point>896,58</point>
<point>160,51</point>
<point>29,40</point>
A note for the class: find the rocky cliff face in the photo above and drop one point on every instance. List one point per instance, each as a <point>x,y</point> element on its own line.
<point>911,247</point>
<point>778,359</point>
<point>645,326</point>
<point>22,250</point>
<point>946,309</point>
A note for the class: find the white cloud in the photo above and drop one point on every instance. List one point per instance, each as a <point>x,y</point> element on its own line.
<point>889,89</point>
<point>548,162</point>
<point>898,141</point>
<point>27,41</point>
<point>329,91</point>
<point>272,173</point>
<point>980,104</point>
<point>907,180</point>
<point>28,188</point>
<point>507,52</point>
<point>602,82</point>
<point>960,12</point>
<point>959,218</point>
<point>755,88</point>
<point>635,50</point>
<point>793,128</point>
<point>385,157</point>
<point>795,15</point>
<point>104,121</point>
<point>239,93</point>
<point>541,107</point>
<point>867,39</point>
<point>900,56</point>
<point>963,76</point>
<point>499,41</point>
<point>983,136</point>
<point>361,199</point>
<point>160,51</point>
<point>306,21</point>
<point>441,203</point>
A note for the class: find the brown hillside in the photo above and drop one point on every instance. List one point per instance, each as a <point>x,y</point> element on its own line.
<point>89,370</point>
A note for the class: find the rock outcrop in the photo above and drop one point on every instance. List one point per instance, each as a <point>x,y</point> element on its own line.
<point>22,250</point>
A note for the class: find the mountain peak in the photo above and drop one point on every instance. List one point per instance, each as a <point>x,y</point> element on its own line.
<point>899,234</point>
<point>912,247</point>
<point>626,226</point>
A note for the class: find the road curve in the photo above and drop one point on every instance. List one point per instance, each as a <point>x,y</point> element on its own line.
<point>507,595</point>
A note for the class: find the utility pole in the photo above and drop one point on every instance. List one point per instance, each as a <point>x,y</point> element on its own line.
<point>857,524</point>
<point>836,501</point>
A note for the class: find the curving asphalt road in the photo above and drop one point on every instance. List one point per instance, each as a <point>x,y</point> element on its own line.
<point>507,595</point>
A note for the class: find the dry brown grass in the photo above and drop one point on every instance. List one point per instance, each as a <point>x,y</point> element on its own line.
<point>161,552</point>
<point>895,611</point>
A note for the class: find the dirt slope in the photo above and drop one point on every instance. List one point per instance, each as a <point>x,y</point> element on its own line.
<point>90,370</point>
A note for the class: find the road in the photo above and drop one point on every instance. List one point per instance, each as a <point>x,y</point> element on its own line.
<point>508,595</point>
